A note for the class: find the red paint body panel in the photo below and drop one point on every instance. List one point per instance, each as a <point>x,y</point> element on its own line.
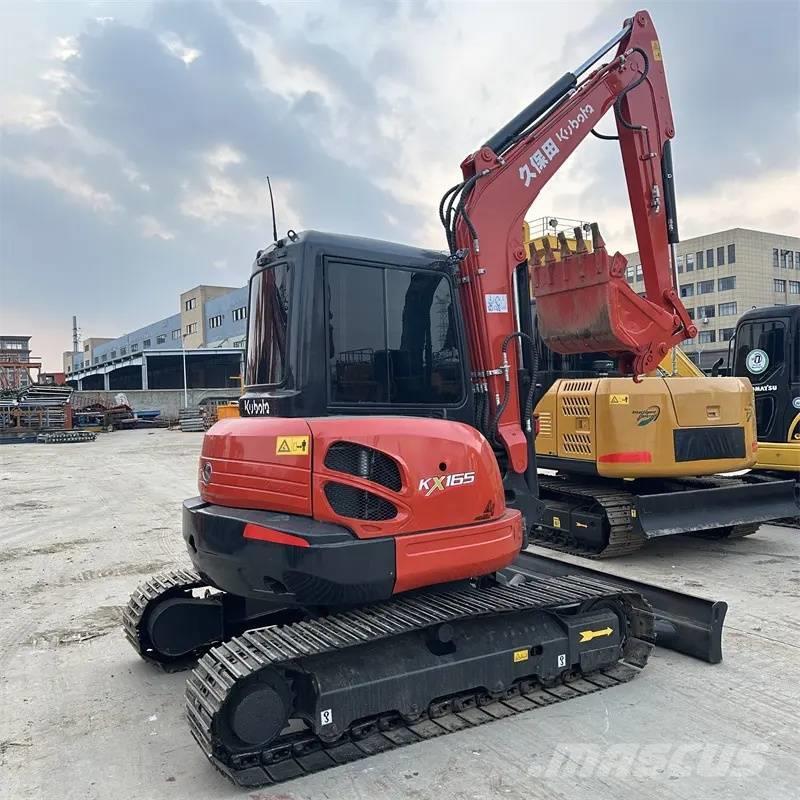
<point>425,559</point>
<point>419,447</point>
<point>444,529</point>
<point>246,472</point>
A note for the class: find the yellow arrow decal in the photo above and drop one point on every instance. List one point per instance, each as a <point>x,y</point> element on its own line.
<point>587,636</point>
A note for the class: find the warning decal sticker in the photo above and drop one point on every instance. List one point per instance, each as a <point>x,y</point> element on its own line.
<point>291,446</point>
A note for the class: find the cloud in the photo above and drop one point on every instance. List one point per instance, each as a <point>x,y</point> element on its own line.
<point>65,179</point>
<point>141,144</point>
<point>180,50</point>
<point>153,229</point>
<point>65,47</point>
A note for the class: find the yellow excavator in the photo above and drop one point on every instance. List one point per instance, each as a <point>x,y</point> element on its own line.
<point>638,460</point>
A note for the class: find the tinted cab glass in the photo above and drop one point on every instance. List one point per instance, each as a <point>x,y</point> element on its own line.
<point>268,326</point>
<point>392,336</point>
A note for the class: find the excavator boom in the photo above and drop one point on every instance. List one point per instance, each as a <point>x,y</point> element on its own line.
<point>583,301</point>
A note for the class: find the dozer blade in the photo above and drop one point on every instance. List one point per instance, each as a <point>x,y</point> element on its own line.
<point>281,702</point>
<point>584,304</point>
<point>685,623</point>
<point>715,504</point>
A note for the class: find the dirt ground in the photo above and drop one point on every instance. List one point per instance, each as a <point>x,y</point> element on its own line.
<point>82,717</point>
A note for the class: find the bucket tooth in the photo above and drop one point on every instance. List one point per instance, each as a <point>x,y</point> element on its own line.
<point>564,246</point>
<point>549,255</point>
<point>535,259</point>
<point>581,243</point>
<point>597,239</point>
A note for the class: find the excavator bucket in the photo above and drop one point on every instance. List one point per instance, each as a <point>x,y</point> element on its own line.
<point>584,304</point>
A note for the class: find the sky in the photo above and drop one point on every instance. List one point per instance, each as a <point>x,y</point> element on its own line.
<point>135,137</point>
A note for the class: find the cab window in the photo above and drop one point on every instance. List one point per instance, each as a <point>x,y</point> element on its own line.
<point>391,336</point>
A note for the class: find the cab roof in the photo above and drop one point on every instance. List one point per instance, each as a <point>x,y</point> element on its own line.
<point>360,248</point>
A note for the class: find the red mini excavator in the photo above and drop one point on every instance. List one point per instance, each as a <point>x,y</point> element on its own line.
<point>353,526</point>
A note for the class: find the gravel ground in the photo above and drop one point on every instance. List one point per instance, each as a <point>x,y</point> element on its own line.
<point>82,524</point>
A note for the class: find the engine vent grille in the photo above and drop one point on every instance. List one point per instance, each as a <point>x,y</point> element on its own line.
<point>364,462</point>
<point>576,406</point>
<point>348,501</point>
<point>578,444</point>
<point>576,386</point>
<point>545,423</point>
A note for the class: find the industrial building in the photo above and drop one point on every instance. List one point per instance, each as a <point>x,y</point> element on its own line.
<point>209,331</point>
<point>15,362</point>
<point>724,274</point>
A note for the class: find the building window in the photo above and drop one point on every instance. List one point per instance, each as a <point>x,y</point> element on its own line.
<point>790,259</point>
<point>85,348</point>
<point>145,344</point>
<point>706,337</point>
<point>720,256</point>
<point>191,328</point>
<point>690,312</point>
<point>639,274</point>
<point>725,284</point>
<point>113,354</point>
<point>690,262</point>
<point>727,309</point>
<point>190,303</point>
<point>726,334</point>
<point>161,338</point>
<point>239,343</point>
<point>774,256</point>
<point>97,359</point>
<point>123,351</point>
<point>710,258</point>
<point>241,313</point>
<point>731,253</point>
<point>705,287</point>
<point>134,348</point>
<point>699,256</point>
<point>797,258</point>
<point>680,264</point>
<point>778,285</point>
<point>216,321</point>
<point>687,290</point>
<point>794,287</point>
<point>176,334</point>
<point>706,312</point>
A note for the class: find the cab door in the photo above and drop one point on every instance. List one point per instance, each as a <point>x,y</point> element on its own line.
<point>764,354</point>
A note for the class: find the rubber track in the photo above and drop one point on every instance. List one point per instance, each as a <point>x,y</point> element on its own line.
<point>156,588</point>
<point>221,670</point>
<point>617,506</point>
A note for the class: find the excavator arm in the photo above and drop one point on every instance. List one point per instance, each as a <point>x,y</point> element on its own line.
<point>583,302</point>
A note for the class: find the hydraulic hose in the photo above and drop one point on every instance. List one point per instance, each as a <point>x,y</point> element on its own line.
<point>534,370</point>
<point>639,80</point>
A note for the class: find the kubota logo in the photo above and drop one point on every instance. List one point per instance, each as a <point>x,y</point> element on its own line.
<point>442,482</point>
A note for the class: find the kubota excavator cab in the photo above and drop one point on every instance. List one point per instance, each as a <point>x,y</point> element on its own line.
<point>349,325</point>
